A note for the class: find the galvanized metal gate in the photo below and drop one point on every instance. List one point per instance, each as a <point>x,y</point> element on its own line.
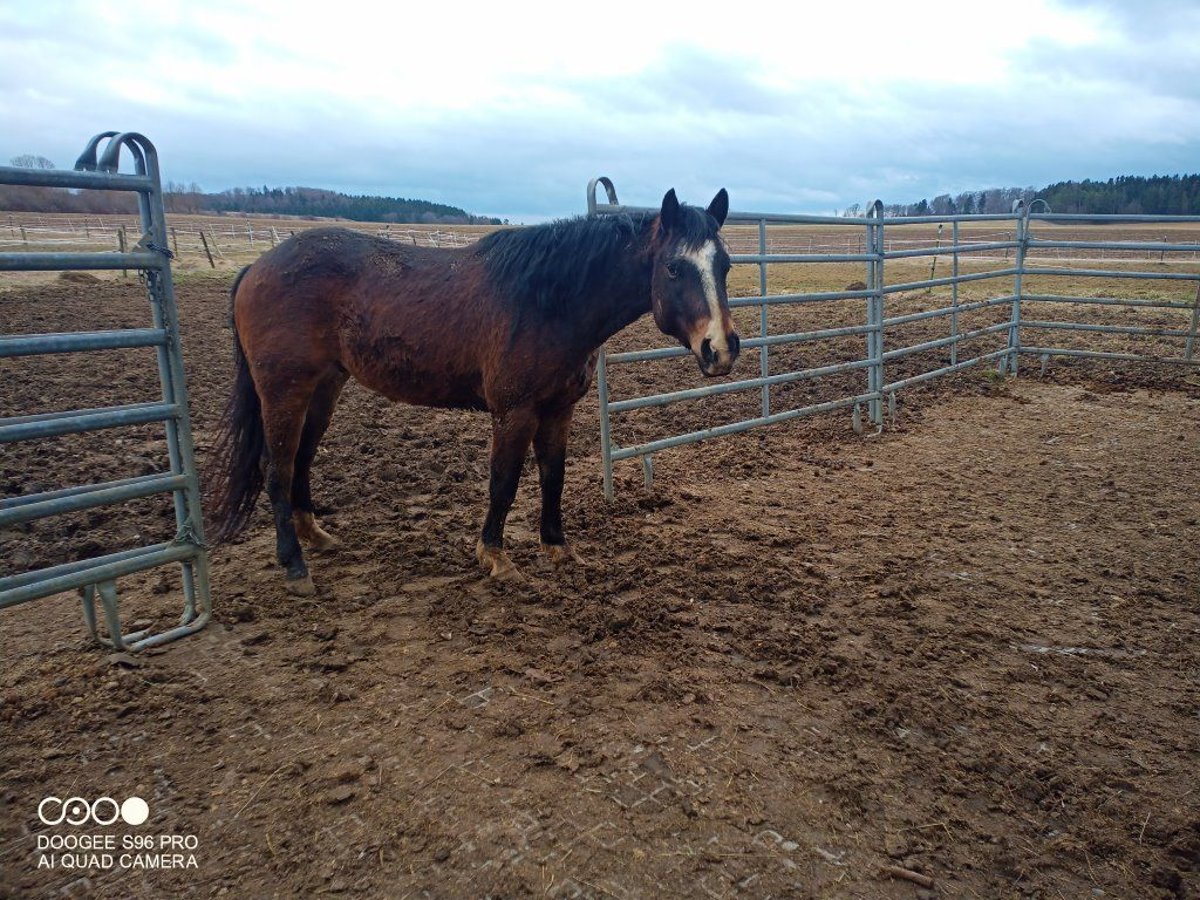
<point>96,170</point>
<point>867,243</point>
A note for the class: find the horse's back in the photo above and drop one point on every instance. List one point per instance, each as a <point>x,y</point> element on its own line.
<point>323,257</point>
<point>413,323</point>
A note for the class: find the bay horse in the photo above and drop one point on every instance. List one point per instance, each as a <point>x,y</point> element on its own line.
<point>510,325</point>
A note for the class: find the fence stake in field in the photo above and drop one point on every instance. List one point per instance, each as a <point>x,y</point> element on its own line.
<point>207,252</point>
<point>1190,347</point>
<point>212,236</point>
<point>937,246</point>
<point>123,246</point>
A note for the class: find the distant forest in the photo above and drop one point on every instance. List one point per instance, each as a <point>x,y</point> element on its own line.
<point>291,201</point>
<point>300,201</point>
<point>1168,195</point>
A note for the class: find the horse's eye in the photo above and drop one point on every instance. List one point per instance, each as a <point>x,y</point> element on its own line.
<point>672,270</point>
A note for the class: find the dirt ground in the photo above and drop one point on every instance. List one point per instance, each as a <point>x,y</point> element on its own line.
<point>804,663</point>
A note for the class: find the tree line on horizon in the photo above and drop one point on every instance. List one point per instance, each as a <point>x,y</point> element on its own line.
<point>1158,195</point>
<point>1174,195</point>
<point>302,202</point>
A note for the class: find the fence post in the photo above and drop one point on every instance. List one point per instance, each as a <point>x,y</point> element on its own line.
<point>933,265</point>
<point>874,247</point>
<point>1190,347</point>
<point>954,295</point>
<point>207,252</point>
<point>1021,210</point>
<point>217,247</point>
<point>122,245</point>
<point>764,367</point>
<point>606,460</point>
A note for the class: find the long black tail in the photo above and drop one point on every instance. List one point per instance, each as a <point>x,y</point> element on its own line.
<point>234,472</point>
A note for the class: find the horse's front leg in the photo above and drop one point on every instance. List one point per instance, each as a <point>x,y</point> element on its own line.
<point>512,432</point>
<point>550,446</point>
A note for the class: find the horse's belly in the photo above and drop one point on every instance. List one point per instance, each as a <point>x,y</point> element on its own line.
<point>411,384</point>
<point>444,396</point>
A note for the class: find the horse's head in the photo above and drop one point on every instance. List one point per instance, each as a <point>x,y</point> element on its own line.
<point>687,289</point>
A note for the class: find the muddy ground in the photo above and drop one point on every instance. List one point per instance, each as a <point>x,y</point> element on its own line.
<point>804,663</point>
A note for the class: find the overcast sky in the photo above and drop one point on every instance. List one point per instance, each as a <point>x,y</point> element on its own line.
<point>508,109</point>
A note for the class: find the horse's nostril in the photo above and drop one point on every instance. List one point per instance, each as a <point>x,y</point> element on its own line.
<point>735,344</point>
<point>706,352</point>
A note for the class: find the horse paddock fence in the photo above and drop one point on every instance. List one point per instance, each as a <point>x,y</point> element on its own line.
<point>1016,260</point>
<point>150,256</point>
<point>204,242</point>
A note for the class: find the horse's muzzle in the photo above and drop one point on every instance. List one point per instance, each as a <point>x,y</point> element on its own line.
<point>719,361</point>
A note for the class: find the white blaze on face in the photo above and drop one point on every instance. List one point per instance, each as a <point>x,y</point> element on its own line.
<point>704,259</point>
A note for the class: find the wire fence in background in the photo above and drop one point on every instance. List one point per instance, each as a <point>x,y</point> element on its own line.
<point>204,243</point>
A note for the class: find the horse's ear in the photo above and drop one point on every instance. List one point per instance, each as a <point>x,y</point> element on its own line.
<point>719,208</point>
<point>668,217</point>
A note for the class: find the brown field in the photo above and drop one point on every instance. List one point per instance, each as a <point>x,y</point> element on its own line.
<point>805,663</point>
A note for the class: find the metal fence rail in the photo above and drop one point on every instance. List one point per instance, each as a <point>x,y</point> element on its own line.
<point>871,242</point>
<point>97,575</point>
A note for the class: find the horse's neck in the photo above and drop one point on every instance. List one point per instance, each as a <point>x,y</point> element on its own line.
<point>618,301</point>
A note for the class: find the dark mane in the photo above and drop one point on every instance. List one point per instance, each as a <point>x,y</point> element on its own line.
<point>550,268</point>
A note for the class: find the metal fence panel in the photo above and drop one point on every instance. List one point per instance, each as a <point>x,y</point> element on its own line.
<point>99,169</point>
<point>873,241</point>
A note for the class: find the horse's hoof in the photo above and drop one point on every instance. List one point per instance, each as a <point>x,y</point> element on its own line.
<point>311,534</point>
<point>301,587</point>
<point>562,554</point>
<point>323,541</point>
<point>496,561</point>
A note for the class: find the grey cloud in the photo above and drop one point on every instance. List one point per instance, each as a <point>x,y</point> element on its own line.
<point>688,120</point>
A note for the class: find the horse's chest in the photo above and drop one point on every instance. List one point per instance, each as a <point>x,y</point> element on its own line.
<point>580,380</point>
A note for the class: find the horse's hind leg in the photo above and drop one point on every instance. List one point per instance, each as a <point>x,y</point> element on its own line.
<point>320,411</point>
<point>284,406</point>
